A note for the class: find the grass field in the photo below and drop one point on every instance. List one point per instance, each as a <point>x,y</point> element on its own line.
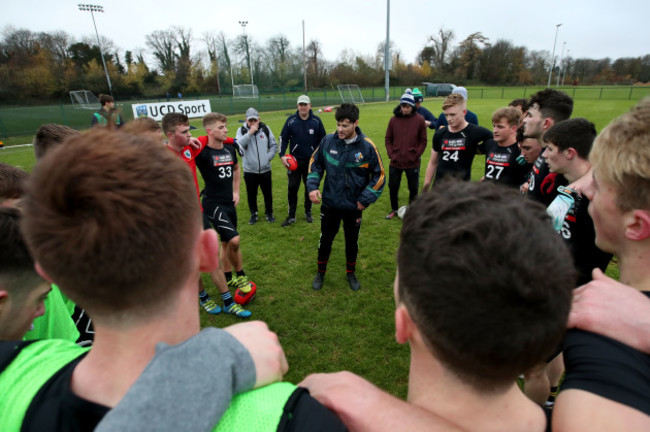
<point>335,329</point>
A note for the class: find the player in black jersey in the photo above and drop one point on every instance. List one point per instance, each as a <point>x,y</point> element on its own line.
<point>455,146</point>
<point>546,108</point>
<point>607,384</point>
<point>220,171</point>
<point>501,153</point>
<point>567,148</point>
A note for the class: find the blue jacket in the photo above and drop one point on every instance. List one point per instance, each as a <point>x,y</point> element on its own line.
<point>301,136</point>
<point>355,172</point>
<point>427,116</point>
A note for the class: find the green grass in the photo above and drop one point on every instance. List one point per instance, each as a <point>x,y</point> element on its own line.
<point>335,328</point>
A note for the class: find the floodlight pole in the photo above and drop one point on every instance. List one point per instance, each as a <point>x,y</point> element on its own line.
<point>565,66</point>
<point>97,8</point>
<point>387,54</point>
<point>304,56</point>
<point>557,84</point>
<point>248,54</point>
<point>550,72</point>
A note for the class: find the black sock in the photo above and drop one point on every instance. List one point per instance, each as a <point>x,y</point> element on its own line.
<point>228,276</point>
<point>553,394</point>
<point>227,299</point>
<point>203,295</point>
<point>240,273</point>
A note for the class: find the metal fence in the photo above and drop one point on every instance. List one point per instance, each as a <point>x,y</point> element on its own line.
<point>24,120</point>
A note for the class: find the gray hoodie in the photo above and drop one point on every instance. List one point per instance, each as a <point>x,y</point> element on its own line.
<point>259,148</point>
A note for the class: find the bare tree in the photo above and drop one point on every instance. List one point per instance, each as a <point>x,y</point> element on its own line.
<point>163,44</point>
<point>279,48</point>
<point>395,53</point>
<point>441,47</point>
<point>470,51</point>
<point>243,47</point>
<point>58,43</point>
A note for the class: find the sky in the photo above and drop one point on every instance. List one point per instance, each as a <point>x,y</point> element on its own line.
<point>591,29</point>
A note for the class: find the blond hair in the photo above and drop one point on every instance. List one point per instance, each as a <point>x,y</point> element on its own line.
<point>511,114</point>
<point>454,99</point>
<point>212,118</point>
<point>621,156</point>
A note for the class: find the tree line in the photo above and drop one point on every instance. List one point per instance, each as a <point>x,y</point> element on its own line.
<point>46,66</point>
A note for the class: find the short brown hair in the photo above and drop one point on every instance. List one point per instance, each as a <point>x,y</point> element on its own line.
<point>171,120</point>
<point>521,104</point>
<point>49,136</point>
<point>485,313</point>
<point>142,125</point>
<point>453,100</point>
<point>112,218</point>
<point>511,114</point>
<point>621,154</point>
<point>577,133</point>
<point>212,118</point>
<point>12,181</point>
<point>104,99</point>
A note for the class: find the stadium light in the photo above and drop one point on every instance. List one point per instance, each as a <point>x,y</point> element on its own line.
<point>248,54</point>
<point>550,72</point>
<point>92,8</point>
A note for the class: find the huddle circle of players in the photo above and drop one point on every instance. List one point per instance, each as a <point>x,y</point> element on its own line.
<point>441,303</point>
<point>514,157</point>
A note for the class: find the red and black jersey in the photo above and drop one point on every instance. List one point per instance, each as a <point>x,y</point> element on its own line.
<point>217,168</point>
<point>501,164</point>
<point>457,150</point>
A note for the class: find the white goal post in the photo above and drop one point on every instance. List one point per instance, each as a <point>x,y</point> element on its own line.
<point>84,99</point>
<point>350,93</point>
<point>245,91</point>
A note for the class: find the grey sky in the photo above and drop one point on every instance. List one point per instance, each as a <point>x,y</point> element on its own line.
<point>593,29</point>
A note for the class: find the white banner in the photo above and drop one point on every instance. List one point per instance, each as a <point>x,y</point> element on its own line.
<point>194,108</point>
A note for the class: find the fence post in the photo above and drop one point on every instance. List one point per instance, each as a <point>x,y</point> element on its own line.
<point>65,118</point>
<point>481,93</point>
<point>573,95</point>
<point>525,92</point>
<point>601,94</point>
<point>3,131</point>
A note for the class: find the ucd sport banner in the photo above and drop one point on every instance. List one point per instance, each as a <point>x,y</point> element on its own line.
<point>195,108</point>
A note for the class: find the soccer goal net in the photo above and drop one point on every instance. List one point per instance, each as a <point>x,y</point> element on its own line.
<point>84,99</point>
<point>245,91</point>
<point>350,93</point>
